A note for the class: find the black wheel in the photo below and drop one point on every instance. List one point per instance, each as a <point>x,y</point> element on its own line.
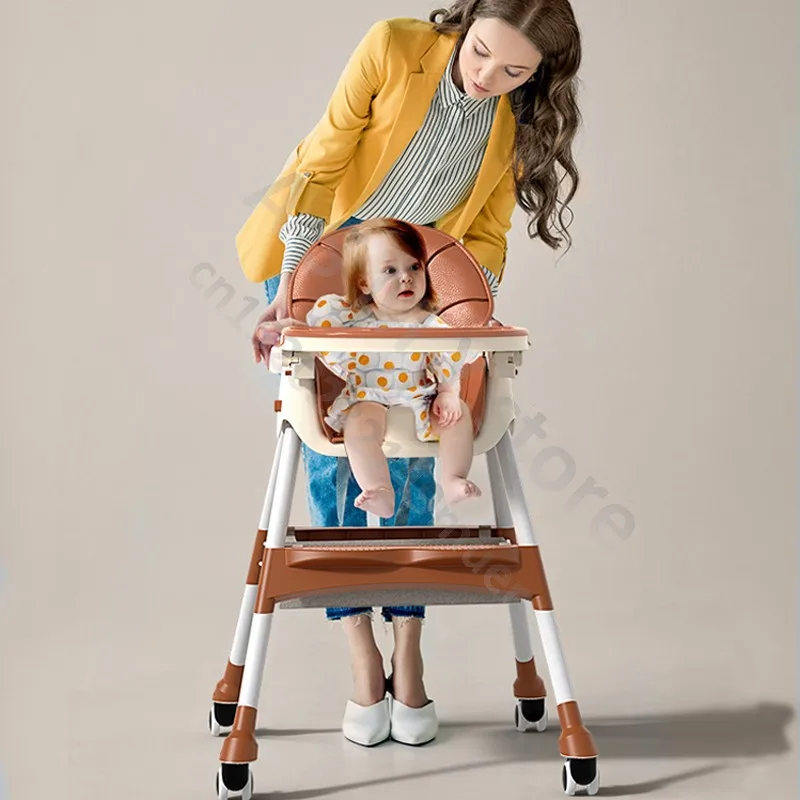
<point>224,713</point>
<point>235,778</point>
<point>530,715</point>
<point>220,718</point>
<point>580,774</point>
<point>532,710</point>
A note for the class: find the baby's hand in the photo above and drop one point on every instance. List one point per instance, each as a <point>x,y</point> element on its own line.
<point>447,408</point>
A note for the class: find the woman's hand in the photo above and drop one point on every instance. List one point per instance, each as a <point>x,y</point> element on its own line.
<point>276,310</point>
<point>265,336</point>
<point>447,408</point>
<point>268,334</point>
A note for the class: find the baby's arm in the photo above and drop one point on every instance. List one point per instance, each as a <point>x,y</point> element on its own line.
<point>447,403</point>
<point>450,387</point>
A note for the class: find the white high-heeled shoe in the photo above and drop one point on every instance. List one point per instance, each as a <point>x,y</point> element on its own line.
<point>367,725</point>
<point>414,726</point>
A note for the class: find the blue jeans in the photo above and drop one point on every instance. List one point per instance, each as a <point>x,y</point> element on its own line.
<point>332,489</point>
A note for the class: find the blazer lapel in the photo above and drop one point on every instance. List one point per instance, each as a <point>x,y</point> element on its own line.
<point>496,161</point>
<point>420,89</point>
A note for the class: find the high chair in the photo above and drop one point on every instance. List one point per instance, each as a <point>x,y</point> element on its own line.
<point>310,567</point>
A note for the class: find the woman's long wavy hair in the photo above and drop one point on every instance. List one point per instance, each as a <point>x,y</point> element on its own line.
<point>545,107</point>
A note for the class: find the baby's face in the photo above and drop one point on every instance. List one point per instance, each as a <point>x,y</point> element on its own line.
<point>395,279</point>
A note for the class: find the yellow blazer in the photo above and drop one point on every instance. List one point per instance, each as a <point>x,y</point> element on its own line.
<point>379,103</point>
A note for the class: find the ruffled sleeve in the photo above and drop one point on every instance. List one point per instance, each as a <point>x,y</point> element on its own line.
<point>446,367</point>
<point>330,311</point>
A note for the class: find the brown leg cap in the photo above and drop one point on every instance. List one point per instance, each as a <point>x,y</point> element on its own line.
<point>227,690</point>
<point>575,741</point>
<point>241,746</point>
<point>528,684</point>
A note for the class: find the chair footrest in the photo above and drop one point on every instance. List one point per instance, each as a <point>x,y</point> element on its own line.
<point>398,596</point>
<point>366,557</point>
<point>482,534</point>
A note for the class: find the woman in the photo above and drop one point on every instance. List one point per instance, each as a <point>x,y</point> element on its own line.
<point>450,123</point>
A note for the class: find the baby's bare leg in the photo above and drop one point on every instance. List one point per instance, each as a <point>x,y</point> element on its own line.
<point>456,445</point>
<point>364,430</point>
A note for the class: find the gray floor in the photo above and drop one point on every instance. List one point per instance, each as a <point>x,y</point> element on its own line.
<point>119,633</point>
<point>115,709</point>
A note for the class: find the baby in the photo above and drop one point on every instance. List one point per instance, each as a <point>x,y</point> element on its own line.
<point>387,286</point>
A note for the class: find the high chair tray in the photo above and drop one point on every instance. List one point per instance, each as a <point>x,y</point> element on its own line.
<point>334,339</point>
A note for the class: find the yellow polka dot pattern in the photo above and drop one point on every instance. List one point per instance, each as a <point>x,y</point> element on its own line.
<point>408,379</point>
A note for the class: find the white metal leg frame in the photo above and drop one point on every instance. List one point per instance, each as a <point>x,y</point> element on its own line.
<point>226,694</point>
<point>575,742</point>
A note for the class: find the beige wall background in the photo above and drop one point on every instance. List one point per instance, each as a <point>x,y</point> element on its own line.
<point>138,433</point>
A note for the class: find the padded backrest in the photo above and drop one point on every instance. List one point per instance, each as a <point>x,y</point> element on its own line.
<point>464,296</point>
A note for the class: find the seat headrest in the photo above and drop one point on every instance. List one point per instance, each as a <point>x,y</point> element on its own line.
<point>464,296</point>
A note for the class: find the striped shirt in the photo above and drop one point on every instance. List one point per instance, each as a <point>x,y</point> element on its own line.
<point>432,176</point>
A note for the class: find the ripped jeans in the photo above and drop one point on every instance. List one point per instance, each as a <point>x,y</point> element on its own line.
<point>332,489</point>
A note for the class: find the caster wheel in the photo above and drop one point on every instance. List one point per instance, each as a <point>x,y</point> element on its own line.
<point>234,781</point>
<point>220,718</point>
<point>530,715</point>
<point>580,774</point>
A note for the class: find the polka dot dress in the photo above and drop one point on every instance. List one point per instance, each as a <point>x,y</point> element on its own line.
<point>409,379</point>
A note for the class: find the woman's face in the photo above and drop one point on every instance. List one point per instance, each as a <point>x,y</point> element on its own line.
<point>495,59</point>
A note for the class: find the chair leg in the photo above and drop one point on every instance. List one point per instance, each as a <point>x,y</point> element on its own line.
<point>530,713</point>
<point>226,693</point>
<point>240,748</point>
<point>575,741</point>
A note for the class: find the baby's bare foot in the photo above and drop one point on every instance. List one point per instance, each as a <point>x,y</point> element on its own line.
<point>378,501</point>
<point>456,489</point>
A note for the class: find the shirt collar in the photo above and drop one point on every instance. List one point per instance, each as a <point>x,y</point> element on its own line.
<point>453,96</point>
